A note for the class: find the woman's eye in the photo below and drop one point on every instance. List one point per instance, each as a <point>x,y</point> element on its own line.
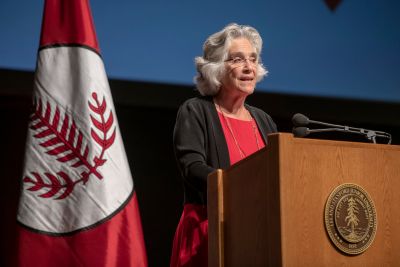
<point>237,60</point>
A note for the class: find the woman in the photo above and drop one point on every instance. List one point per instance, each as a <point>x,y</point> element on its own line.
<point>216,130</point>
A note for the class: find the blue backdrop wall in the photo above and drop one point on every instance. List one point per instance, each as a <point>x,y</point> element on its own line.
<point>308,49</point>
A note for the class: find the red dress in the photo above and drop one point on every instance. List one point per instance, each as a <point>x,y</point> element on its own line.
<point>190,245</point>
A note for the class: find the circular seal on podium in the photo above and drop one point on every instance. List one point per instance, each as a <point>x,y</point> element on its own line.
<point>350,218</point>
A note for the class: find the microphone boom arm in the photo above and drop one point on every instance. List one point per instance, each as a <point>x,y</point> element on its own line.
<point>369,134</point>
<point>300,121</point>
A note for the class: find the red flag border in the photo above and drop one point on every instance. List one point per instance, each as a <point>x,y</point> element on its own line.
<point>86,228</point>
<point>57,45</point>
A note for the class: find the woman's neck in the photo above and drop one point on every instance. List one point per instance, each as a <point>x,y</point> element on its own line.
<point>232,106</point>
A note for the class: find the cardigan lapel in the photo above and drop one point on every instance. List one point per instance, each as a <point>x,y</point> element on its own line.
<point>218,134</point>
<point>261,126</point>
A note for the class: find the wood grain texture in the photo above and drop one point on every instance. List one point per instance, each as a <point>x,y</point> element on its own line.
<point>274,203</point>
<point>309,171</point>
<point>215,211</point>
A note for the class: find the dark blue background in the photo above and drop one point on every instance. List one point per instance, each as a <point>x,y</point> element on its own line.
<point>350,53</point>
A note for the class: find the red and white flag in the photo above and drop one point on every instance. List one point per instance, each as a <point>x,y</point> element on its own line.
<point>78,205</point>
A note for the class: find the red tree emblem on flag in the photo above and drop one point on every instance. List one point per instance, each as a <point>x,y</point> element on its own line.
<point>64,141</point>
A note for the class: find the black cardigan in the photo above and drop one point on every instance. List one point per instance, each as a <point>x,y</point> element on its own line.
<point>200,146</point>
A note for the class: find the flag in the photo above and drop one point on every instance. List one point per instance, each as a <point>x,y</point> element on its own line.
<point>78,205</point>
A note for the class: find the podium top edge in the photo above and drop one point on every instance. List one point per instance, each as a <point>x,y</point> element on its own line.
<point>279,137</point>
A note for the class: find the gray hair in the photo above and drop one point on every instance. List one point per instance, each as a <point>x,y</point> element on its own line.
<point>211,67</point>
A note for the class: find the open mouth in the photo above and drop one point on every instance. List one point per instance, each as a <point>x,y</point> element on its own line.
<point>246,79</point>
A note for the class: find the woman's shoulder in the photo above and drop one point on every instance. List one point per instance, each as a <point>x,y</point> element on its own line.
<point>261,115</point>
<point>257,111</point>
<point>196,102</point>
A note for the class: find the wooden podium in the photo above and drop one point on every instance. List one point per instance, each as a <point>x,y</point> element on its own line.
<point>268,210</point>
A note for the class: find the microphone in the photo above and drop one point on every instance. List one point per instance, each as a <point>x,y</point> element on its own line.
<point>300,131</point>
<point>300,121</point>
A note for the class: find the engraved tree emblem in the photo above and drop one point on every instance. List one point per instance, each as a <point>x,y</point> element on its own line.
<point>351,218</point>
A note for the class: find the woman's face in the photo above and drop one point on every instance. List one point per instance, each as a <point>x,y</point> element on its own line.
<point>241,68</point>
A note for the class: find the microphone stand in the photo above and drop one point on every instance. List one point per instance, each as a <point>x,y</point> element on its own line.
<point>369,134</point>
